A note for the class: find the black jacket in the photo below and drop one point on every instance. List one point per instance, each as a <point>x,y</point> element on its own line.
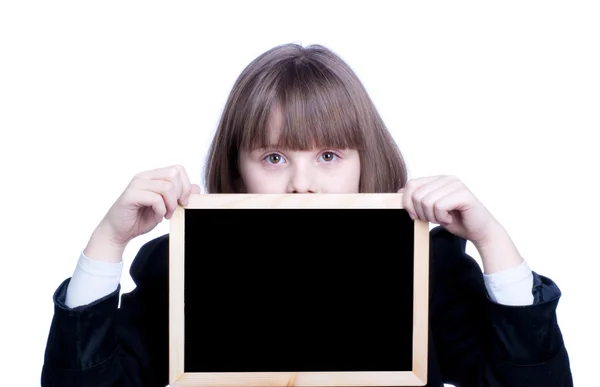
<point>473,341</point>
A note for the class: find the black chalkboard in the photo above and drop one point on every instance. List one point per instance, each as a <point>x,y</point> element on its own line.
<point>270,290</point>
<point>302,290</point>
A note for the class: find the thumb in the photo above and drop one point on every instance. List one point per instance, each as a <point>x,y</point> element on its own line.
<point>196,189</point>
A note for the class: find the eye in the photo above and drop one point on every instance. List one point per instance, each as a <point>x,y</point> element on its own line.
<point>273,158</point>
<point>328,156</point>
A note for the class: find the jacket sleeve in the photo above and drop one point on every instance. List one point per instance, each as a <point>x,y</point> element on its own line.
<point>482,343</point>
<point>102,344</point>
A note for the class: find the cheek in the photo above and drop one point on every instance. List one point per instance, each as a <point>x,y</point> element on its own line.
<point>345,179</point>
<point>353,180</point>
<point>257,180</point>
<point>248,174</point>
<point>352,172</point>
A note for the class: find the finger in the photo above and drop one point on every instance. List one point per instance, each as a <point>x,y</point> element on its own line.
<point>194,189</point>
<point>425,189</point>
<point>166,189</point>
<point>408,190</point>
<point>431,203</point>
<point>430,193</point>
<point>176,174</point>
<point>412,206</point>
<point>454,201</point>
<point>165,173</point>
<point>158,205</point>
<point>186,185</point>
<point>406,198</point>
<point>144,198</point>
<point>444,217</point>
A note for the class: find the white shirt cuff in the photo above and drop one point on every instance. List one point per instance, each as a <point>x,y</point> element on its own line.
<point>512,286</point>
<point>92,280</point>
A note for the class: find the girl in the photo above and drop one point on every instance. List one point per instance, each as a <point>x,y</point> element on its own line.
<point>298,120</point>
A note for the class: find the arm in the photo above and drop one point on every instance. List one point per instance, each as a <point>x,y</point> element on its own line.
<point>482,343</point>
<point>91,281</point>
<point>100,344</point>
<point>511,286</point>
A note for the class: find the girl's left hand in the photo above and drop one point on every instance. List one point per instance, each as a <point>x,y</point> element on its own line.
<point>445,200</point>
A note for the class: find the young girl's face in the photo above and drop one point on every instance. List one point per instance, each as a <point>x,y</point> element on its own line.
<point>315,171</point>
<point>274,170</point>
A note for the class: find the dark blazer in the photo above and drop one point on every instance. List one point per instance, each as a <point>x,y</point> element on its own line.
<point>473,341</point>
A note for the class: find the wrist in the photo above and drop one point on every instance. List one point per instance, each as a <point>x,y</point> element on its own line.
<point>102,247</point>
<point>493,233</point>
<point>497,250</point>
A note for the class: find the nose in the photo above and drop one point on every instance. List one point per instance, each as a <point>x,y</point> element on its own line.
<point>301,181</point>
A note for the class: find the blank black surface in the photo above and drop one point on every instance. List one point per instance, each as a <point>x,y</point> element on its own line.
<point>270,290</point>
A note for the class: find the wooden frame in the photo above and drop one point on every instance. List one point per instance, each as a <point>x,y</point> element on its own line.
<point>179,378</point>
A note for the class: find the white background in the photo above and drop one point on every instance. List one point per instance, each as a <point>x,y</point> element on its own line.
<point>506,96</point>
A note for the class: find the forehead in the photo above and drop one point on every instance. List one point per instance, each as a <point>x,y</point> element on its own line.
<point>288,135</point>
<point>275,125</point>
<point>300,108</point>
<point>293,129</point>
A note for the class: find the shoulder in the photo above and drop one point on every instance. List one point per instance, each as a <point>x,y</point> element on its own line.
<point>151,263</point>
<point>449,248</point>
<point>450,265</point>
<point>442,238</point>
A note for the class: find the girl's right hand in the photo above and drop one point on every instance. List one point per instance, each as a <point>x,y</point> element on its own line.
<point>149,197</point>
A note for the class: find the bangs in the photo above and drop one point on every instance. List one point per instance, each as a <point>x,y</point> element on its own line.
<point>302,107</point>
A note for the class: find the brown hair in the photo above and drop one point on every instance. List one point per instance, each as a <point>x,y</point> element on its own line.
<point>323,104</point>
